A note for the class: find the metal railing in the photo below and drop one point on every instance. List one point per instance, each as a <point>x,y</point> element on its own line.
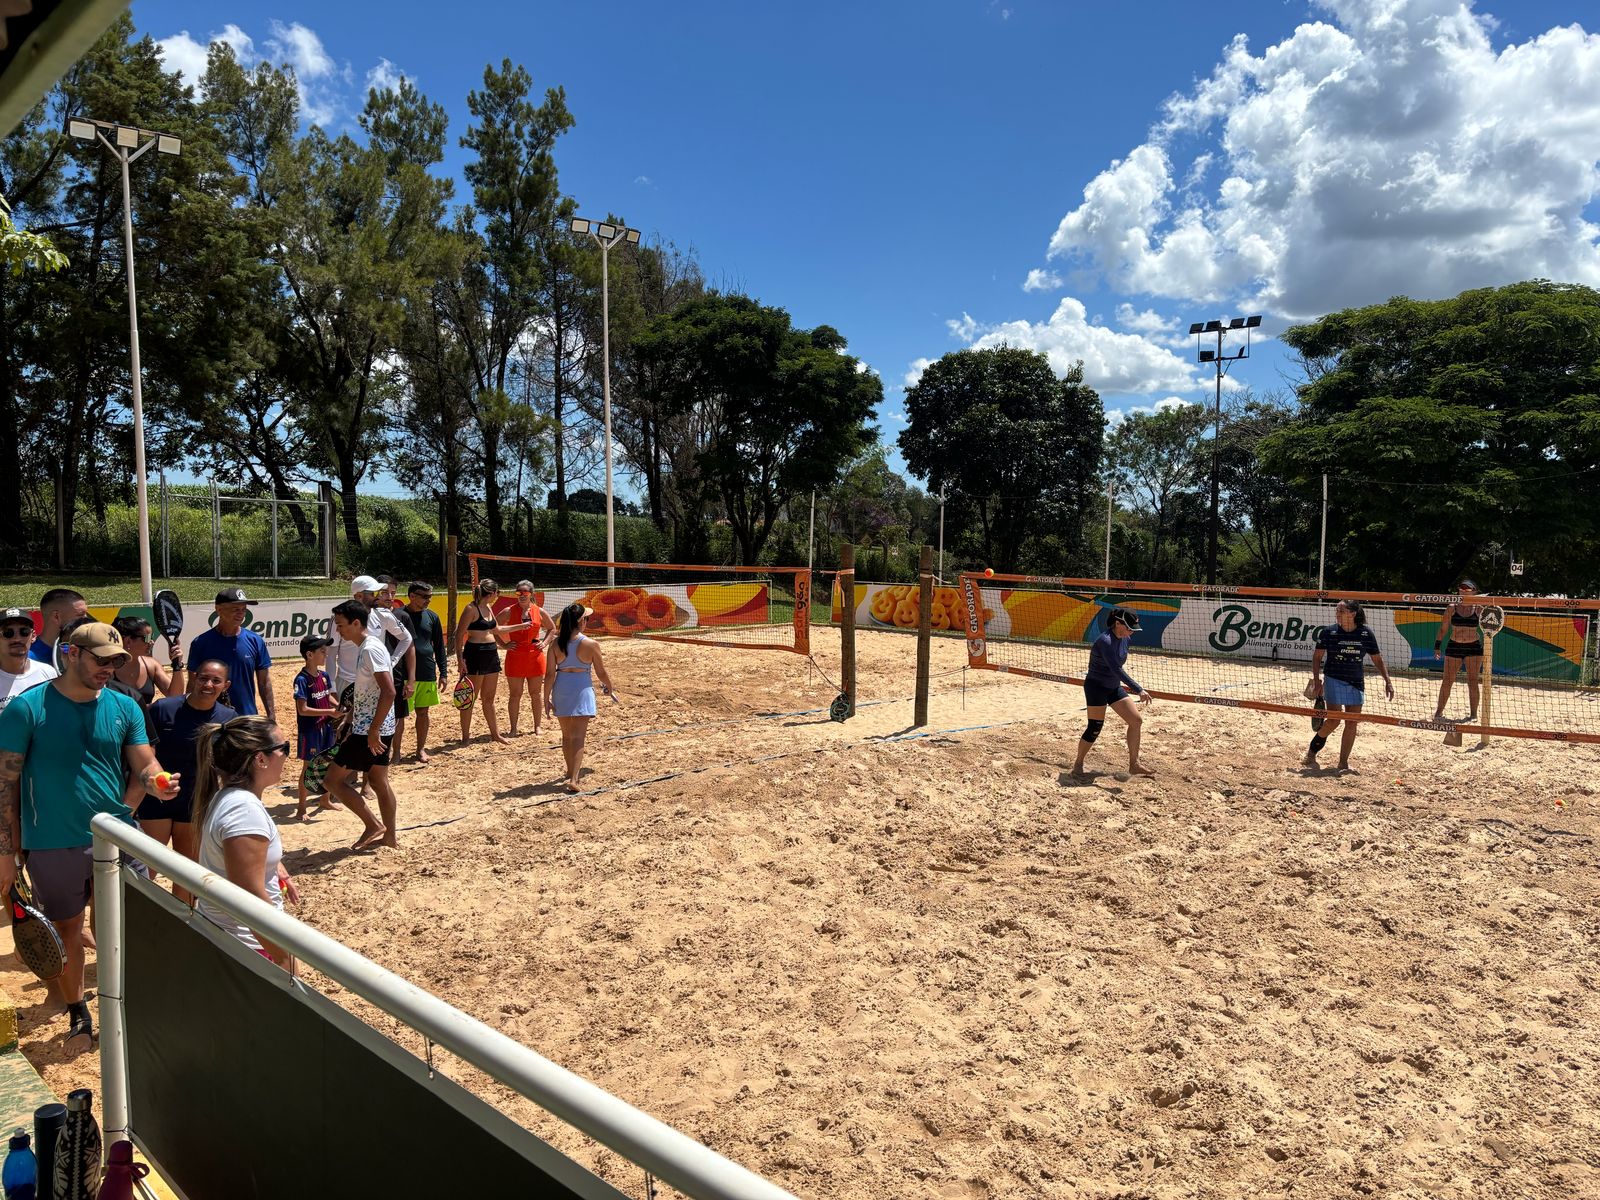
<point>670,1156</point>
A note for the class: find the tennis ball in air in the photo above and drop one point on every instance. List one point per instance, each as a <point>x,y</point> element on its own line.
<point>163,780</point>
<point>988,572</point>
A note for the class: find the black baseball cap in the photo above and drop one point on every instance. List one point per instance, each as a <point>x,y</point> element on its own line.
<point>7,615</point>
<point>1126,615</point>
<point>312,642</point>
<point>233,595</point>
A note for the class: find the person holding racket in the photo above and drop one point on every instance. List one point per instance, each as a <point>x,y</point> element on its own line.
<point>1343,647</point>
<point>1106,684</point>
<point>172,725</point>
<point>525,658</point>
<point>143,673</point>
<point>571,666</point>
<point>368,745</point>
<point>478,634</point>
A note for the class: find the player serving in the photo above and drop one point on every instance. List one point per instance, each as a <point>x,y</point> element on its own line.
<point>1107,684</point>
<point>1343,648</point>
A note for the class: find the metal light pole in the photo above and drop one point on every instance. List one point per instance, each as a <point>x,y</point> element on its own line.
<point>1220,328</point>
<point>1110,509</point>
<point>1322,552</point>
<point>942,496</point>
<point>606,235</point>
<point>128,143</point>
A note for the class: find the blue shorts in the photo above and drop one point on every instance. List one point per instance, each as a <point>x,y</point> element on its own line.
<point>1346,695</point>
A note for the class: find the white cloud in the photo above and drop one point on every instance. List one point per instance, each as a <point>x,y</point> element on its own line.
<point>1390,150</point>
<point>913,375</point>
<point>301,48</point>
<point>1115,416</point>
<point>384,77</point>
<point>1112,361</point>
<point>642,181</point>
<point>899,418</point>
<point>1040,280</point>
<point>187,55</point>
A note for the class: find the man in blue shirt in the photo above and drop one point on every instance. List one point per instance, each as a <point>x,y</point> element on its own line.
<point>245,653</point>
<point>57,607</point>
<point>63,749</point>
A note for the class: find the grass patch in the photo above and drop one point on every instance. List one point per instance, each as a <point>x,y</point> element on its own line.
<point>24,590</point>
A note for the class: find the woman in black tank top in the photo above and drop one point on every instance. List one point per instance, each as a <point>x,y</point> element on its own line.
<point>1460,641</point>
<point>142,673</point>
<point>478,655</point>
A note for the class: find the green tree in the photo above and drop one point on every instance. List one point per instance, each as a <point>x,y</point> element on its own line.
<point>1020,446</point>
<point>1159,460</point>
<point>1269,525</point>
<point>782,409</point>
<point>1483,410</point>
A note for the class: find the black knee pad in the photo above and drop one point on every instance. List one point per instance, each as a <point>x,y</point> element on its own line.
<point>1093,731</point>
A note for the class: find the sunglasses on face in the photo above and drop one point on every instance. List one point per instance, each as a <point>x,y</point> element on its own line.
<point>281,747</point>
<point>16,631</point>
<point>114,663</point>
<point>522,592</point>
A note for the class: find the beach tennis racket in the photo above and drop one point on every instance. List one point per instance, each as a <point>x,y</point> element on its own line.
<point>461,695</point>
<point>1317,702</point>
<point>168,612</point>
<point>317,770</point>
<point>38,944</point>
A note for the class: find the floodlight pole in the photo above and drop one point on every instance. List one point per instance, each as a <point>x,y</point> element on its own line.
<point>606,235</point>
<point>1220,328</point>
<point>131,143</point>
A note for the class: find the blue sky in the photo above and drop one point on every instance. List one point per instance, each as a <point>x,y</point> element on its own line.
<point>897,170</point>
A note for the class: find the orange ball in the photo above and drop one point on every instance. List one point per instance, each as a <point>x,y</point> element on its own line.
<point>988,572</point>
<point>163,780</point>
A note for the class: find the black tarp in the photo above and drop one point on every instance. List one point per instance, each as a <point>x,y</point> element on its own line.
<point>242,1084</point>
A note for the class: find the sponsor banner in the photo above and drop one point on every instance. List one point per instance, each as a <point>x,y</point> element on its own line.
<point>658,608</point>
<point>899,606</point>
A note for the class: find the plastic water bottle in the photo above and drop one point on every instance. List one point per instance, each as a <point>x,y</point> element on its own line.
<point>121,1173</point>
<point>20,1176</point>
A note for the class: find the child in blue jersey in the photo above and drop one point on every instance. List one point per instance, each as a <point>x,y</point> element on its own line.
<point>1106,684</point>
<point>314,709</point>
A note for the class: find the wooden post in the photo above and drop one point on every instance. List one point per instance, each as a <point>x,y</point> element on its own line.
<point>450,583</point>
<point>924,632</point>
<point>847,625</point>
<point>1486,684</point>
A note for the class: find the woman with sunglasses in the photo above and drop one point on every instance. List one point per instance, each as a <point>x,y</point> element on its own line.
<point>525,658</point>
<point>237,763</point>
<point>143,673</point>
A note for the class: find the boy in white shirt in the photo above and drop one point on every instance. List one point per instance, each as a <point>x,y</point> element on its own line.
<point>367,746</point>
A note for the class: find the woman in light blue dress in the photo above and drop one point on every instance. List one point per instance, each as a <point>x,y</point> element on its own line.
<point>570,670</point>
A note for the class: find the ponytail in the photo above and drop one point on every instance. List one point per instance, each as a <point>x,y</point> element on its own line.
<point>223,759</point>
<point>570,616</point>
<point>482,588</point>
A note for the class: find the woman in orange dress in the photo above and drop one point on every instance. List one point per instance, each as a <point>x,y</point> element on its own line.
<point>525,657</point>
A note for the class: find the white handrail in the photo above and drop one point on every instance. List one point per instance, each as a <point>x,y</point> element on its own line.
<point>673,1157</point>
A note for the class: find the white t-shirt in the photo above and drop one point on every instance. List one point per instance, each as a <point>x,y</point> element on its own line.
<point>237,812</point>
<point>342,663</point>
<point>371,658</point>
<point>32,676</point>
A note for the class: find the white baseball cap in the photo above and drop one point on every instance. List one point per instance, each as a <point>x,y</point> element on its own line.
<point>364,583</point>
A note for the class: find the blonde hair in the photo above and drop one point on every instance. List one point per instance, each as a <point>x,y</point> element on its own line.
<point>482,587</point>
<point>224,757</point>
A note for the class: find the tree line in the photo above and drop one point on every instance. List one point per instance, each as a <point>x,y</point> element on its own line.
<point>328,306</point>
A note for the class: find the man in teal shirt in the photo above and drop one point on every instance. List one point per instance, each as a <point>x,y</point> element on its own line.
<point>63,749</point>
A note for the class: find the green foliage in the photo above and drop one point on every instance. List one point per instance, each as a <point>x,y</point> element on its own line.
<point>1160,461</point>
<point>1485,407</point>
<point>1019,448</point>
<point>23,251</point>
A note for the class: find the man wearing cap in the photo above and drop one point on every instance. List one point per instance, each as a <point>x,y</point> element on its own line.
<point>63,750</point>
<point>57,607</point>
<point>243,650</point>
<point>19,670</point>
<point>380,621</point>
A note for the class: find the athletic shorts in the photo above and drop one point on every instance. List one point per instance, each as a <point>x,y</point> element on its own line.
<point>63,880</point>
<point>426,695</point>
<point>1097,694</point>
<point>354,754</point>
<point>153,808</point>
<point>1473,649</point>
<point>402,706</point>
<point>1346,695</point>
<point>482,658</point>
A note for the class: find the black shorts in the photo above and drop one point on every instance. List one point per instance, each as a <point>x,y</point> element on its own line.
<point>1472,649</point>
<point>402,705</point>
<point>482,658</point>
<point>1097,694</point>
<point>153,808</point>
<point>354,754</point>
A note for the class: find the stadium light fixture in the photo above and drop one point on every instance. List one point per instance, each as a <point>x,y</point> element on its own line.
<point>607,234</point>
<point>1223,361</point>
<point>128,142</point>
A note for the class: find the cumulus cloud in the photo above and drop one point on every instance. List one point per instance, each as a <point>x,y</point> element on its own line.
<point>1112,361</point>
<point>1040,280</point>
<point>914,374</point>
<point>1388,150</point>
<point>187,55</point>
<point>385,77</point>
<point>301,48</point>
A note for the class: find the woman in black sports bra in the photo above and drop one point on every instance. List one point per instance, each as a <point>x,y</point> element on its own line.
<point>143,673</point>
<point>478,655</point>
<point>1460,641</point>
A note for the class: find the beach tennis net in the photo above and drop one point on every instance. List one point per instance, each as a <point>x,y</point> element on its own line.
<point>1251,648</point>
<point>751,608</point>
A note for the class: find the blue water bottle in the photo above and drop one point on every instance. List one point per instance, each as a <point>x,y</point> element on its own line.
<point>20,1176</point>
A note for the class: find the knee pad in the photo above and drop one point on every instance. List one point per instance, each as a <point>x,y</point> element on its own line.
<point>1092,731</point>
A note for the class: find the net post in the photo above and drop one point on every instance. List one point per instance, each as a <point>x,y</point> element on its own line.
<point>802,612</point>
<point>450,580</point>
<point>1486,682</point>
<point>847,625</point>
<point>924,632</point>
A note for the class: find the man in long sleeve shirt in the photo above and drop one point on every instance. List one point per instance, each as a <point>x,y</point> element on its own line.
<point>342,666</point>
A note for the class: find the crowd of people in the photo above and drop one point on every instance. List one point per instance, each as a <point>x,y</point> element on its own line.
<point>190,749</point>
